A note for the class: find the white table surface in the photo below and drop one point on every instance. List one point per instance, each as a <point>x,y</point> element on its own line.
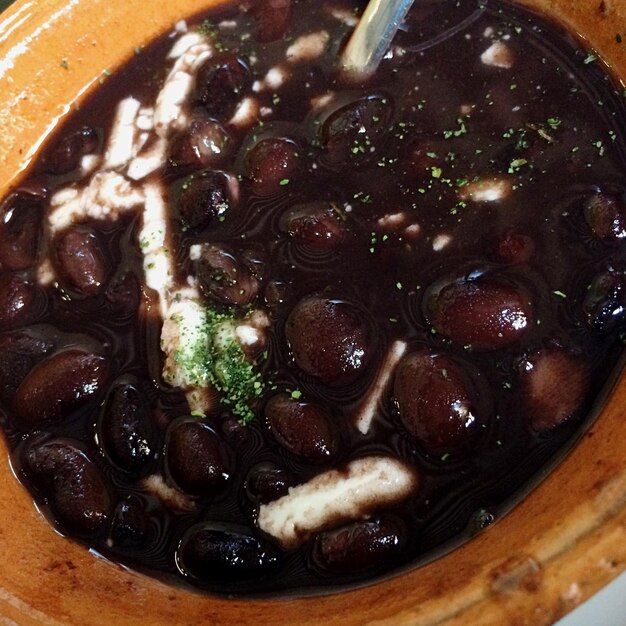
<point>606,608</point>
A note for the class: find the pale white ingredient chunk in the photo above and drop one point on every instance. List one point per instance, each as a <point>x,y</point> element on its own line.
<point>392,221</point>
<point>344,15</point>
<point>440,241</point>
<point>145,119</point>
<point>333,497</point>
<point>487,190</point>
<point>275,77</point>
<point>89,164</point>
<point>322,101</point>
<point>184,44</point>
<point>498,54</point>
<point>308,47</point>
<point>119,150</point>
<point>170,101</point>
<point>247,335</point>
<point>148,161</point>
<point>169,111</point>
<point>107,195</point>
<point>185,342</point>
<point>171,497</point>
<point>246,113</point>
<point>367,411</point>
<point>157,262</point>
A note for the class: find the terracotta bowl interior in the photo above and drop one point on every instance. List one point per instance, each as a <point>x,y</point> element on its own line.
<point>554,550</point>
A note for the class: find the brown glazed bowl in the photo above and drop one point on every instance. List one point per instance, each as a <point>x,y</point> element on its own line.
<point>560,545</point>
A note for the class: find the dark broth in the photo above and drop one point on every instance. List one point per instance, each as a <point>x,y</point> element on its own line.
<point>550,130</point>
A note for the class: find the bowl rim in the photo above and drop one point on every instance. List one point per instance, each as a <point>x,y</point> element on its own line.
<point>529,566</point>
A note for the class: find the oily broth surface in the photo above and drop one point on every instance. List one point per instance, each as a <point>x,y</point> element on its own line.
<point>552,125</point>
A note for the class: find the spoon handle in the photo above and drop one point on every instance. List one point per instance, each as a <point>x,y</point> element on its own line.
<point>372,36</point>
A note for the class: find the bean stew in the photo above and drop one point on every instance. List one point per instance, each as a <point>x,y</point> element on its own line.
<point>266,329</point>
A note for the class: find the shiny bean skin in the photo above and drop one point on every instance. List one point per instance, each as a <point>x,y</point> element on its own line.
<point>66,155</point>
<point>217,552</point>
<point>221,82</point>
<point>317,225</point>
<point>195,459</point>
<point>348,132</point>
<point>330,339</point>
<point>17,294</point>
<point>604,303</point>
<point>20,229</point>
<point>58,385</point>
<point>267,482</point>
<point>480,311</point>
<point>303,428</point>
<point>358,546</point>
<point>81,262</point>
<point>204,143</point>
<point>124,294</point>
<point>437,402</point>
<point>74,487</point>
<point>228,276</point>
<point>130,524</point>
<point>204,199</point>
<point>553,384</point>
<point>271,163</point>
<point>21,350</point>
<point>126,432</point>
<point>605,214</point>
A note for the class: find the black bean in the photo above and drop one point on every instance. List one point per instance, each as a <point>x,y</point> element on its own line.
<point>58,385</point>
<point>330,338</point>
<point>124,294</point>
<point>479,310</point>
<point>302,428</point>
<point>605,214</point>
<point>272,163</point>
<point>267,482</point>
<point>126,433</point>
<point>20,351</point>
<point>553,385</point>
<point>218,553</point>
<point>81,262</point>
<point>317,225</point>
<point>204,199</point>
<point>20,229</point>
<point>228,276</point>
<point>73,486</point>
<point>236,434</point>
<point>66,155</point>
<point>350,132</point>
<point>275,293</point>
<point>204,143</point>
<point>438,402</point>
<point>221,82</point>
<point>359,546</point>
<point>17,294</point>
<point>130,524</point>
<point>604,304</point>
<point>195,458</point>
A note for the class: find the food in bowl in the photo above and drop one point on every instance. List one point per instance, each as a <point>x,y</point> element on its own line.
<point>267,329</point>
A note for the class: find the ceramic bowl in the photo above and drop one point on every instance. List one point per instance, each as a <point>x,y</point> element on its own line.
<point>555,549</point>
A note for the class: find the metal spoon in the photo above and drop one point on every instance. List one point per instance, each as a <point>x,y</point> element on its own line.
<point>372,37</point>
